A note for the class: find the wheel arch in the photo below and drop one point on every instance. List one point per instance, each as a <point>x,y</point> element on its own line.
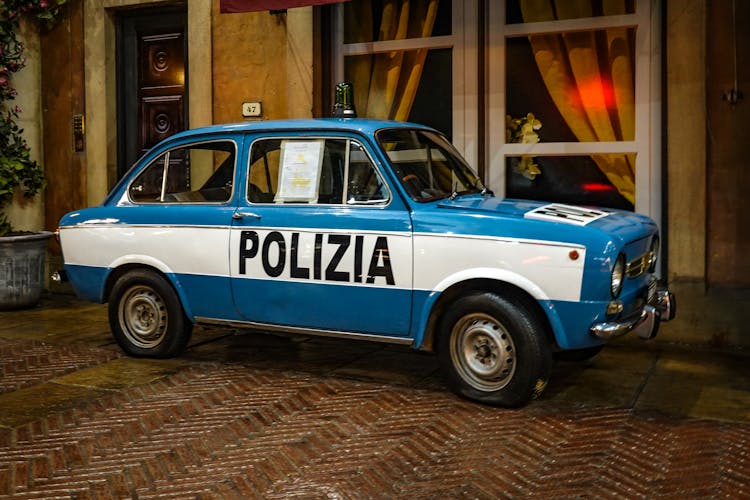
<point>477,285</point>
<point>120,270</point>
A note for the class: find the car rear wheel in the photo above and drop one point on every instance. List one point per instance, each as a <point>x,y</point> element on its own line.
<point>146,316</point>
<point>492,349</point>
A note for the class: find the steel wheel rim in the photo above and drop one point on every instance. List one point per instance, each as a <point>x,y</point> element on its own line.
<point>143,317</point>
<point>483,352</point>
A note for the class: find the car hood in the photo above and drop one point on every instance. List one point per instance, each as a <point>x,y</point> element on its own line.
<point>555,218</point>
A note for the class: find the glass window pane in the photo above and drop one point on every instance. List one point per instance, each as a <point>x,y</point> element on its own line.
<point>147,186</point>
<point>365,187</point>
<point>380,20</point>
<point>384,86</point>
<point>580,85</point>
<point>198,173</point>
<point>428,165</point>
<point>606,180</point>
<point>264,171</point>
<point>331,186</point>
<point>528,11</point>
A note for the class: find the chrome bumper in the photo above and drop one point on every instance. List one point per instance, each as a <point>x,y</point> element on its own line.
<point>661,307</point>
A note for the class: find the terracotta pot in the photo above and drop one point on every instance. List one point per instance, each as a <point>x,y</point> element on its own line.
<point>22,266</point>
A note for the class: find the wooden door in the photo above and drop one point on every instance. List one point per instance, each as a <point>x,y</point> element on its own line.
<point>152,90</point>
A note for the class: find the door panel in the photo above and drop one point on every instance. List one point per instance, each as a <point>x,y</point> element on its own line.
<point>161,85</point>
<point>302,268</point>
<point>152,94</point>
<point>338,257</point>
<point>184,230</point>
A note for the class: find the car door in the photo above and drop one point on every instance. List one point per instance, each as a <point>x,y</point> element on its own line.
<point>176,215</point>
<point>319,240</point>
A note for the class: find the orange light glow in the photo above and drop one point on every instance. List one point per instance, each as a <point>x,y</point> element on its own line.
<point>596,94</point>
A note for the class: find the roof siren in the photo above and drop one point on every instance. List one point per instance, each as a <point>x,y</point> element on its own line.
<point>344,101</point>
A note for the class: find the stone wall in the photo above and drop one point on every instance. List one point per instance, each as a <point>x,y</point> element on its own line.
<point>262,57</point>
<point>28,215</point>
<point>686,145</point>
<point>706,175</point>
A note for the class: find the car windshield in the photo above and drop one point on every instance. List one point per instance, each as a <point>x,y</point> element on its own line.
<point>427,165</point>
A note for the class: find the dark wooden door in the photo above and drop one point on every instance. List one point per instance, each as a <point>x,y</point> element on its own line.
<point>152,90</point>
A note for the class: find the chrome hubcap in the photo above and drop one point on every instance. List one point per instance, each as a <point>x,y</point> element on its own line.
<point>143,317</point>
<point>483,352</point>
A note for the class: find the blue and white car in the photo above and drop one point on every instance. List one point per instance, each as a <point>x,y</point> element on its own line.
<point>361,229</point>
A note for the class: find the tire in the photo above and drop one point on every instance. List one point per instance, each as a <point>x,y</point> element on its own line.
<point>493,349</point>
<point>146,316</point>
<point>578,355</point>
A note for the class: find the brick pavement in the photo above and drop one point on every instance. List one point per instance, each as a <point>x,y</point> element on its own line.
<point>258,416</point>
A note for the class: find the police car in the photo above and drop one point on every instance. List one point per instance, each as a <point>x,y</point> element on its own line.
<point>360,229</point>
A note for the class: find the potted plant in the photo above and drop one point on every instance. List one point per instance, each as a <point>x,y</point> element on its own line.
<point>22,253</point>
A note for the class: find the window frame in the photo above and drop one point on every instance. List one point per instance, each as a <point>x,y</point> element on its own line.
<point>465,67</point>
<point>647,144</point>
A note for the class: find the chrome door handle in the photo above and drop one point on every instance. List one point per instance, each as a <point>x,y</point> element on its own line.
<point>242,215</point>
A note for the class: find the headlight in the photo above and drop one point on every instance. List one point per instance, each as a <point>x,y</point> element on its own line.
<point>654,252</point>
<point>618,276</point>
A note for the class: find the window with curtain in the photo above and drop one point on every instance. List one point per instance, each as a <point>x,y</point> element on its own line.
<point>555,100</point>
<point>571,74</point>
<point>398,55</point>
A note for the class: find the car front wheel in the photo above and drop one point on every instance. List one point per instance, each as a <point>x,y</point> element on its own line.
<point>492,349</point>
<point>146,316</point>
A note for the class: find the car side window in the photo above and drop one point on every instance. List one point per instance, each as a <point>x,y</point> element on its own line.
<point>195,173</point>
<point>320,171</point>
<point>364,187</point>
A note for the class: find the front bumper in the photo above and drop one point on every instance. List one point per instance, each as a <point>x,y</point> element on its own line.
<point>661,306</point>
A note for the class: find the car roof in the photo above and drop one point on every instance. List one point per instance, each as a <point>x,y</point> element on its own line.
<point>362,125</point>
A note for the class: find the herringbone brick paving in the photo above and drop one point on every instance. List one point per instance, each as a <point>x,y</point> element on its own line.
<point>25,362</point>
<point>254,424</point>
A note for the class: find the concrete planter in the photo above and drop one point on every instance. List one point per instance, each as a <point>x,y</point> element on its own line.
<point>22,266</point>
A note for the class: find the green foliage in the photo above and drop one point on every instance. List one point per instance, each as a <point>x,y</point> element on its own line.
<point>17,169</point>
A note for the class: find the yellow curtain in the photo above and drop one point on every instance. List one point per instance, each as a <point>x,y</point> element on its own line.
<point>592,86</point>
<point>385,84</point>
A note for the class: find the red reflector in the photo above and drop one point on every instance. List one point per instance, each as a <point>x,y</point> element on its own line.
<point>597,186</point>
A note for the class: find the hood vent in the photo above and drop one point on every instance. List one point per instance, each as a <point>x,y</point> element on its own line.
<point>568,214</point>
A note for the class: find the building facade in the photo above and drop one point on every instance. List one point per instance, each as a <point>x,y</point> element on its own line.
<point>632,104</point>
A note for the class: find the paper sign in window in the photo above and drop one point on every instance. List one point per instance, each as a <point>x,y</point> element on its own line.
<point>300,171</point>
